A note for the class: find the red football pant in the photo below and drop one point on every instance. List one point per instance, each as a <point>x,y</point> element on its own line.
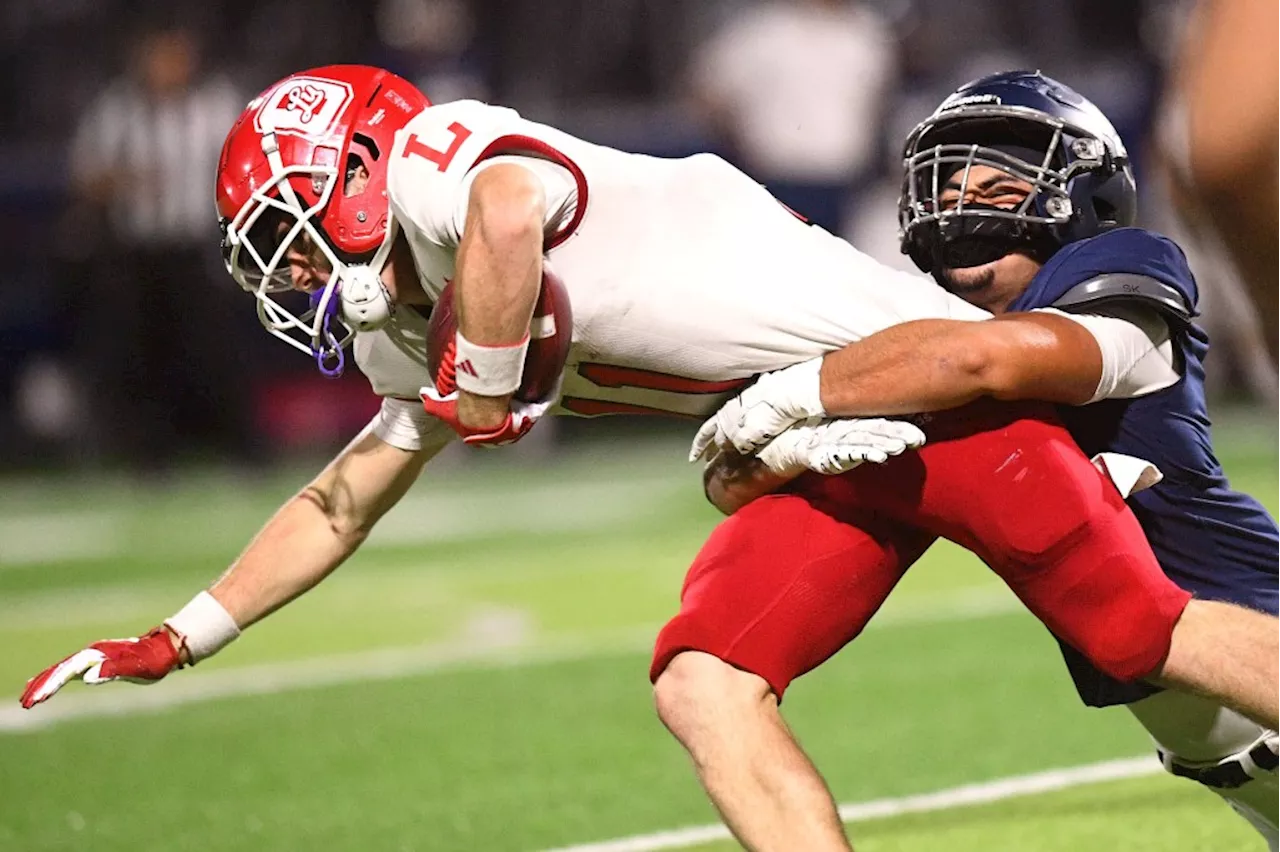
<point>791,578</point>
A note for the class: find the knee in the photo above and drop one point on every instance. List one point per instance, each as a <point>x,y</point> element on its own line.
<point>697,692</point>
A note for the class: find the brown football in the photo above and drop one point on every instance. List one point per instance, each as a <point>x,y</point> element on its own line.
<point>550,333</point>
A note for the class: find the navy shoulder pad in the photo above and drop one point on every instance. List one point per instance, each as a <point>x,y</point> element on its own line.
<point>1127,264</point>
<point>1116,286</point>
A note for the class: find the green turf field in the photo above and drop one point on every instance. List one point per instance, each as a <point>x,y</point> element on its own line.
<point>476,680</point>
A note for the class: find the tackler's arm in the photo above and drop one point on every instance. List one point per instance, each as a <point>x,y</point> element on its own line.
<point>933,365</point>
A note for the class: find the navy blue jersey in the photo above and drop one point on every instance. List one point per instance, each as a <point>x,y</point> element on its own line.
<point>1211,540</point>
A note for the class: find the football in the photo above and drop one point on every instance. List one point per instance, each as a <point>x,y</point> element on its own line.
<point>550,333</point>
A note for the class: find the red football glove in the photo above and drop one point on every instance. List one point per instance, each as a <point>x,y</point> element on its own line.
<point>520,418</point>
<point>142,660</point>
<point>447,372</point>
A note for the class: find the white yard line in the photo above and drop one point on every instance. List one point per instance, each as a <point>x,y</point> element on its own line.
<point>487,642</point>
<point>477,652</point>
<point>963,796</point>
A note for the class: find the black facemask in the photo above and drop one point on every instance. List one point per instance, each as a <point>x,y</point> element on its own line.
<point>971,251</point>
<point>966,241</point>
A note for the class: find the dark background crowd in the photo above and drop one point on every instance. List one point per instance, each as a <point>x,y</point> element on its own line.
<point>122,340</point>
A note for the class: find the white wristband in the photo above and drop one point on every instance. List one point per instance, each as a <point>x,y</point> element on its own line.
<point>204,626</point>
<point>489,370</point>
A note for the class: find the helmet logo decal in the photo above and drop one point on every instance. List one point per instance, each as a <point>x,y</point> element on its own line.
<point>968,100</point>
<point>303,106</point>
<point>306,99</point>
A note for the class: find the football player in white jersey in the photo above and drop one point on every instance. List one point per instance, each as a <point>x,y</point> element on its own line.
<point>345,189</point>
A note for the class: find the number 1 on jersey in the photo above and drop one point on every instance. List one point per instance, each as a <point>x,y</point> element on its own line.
<point>442,159</point>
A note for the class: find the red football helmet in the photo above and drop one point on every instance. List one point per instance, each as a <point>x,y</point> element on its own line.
<point>306,165</point>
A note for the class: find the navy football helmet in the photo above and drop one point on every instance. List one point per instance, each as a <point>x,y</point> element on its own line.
<point>1035,129</point>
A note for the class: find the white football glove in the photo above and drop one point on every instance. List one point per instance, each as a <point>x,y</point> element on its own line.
<point>761,412</point>
<point>835,446</point>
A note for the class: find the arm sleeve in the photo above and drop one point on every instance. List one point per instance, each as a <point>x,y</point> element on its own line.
<point>1138,355</point>
<point>405,425</point>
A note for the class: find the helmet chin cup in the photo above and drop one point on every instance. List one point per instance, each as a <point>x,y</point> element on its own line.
<point>365,302</point>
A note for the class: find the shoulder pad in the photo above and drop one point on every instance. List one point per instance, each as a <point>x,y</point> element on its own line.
<point>1114,286</point>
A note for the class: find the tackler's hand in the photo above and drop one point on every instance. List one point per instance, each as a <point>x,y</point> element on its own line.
<point>760,413</point>
<point>835,446</point>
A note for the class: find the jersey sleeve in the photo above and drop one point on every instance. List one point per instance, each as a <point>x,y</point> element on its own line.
<point>404,424</point>
<point>1124,266</point>
<point>435,158</point>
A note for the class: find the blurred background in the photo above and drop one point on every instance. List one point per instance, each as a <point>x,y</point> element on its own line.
<point>125,345</point>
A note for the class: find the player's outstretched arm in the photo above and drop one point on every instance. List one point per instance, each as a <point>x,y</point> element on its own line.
<point>315,532</point>
<point>310,536</point>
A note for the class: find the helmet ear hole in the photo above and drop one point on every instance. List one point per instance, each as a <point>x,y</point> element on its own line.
<point>368,144</point>
<point>361,156</point>
<point>1105,212</point>
<point>355,176</point>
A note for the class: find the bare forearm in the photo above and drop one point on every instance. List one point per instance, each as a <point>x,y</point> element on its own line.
<point>498,286</point>
<point>315,532</point>
<point>295,550</point>
<point>499,273</point>
<point>731,481</point>
<point>500,258</point>
<point>933,365</point>
<point>908,368</point>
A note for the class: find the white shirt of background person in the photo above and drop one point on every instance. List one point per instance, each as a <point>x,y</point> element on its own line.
<point>801,84</point>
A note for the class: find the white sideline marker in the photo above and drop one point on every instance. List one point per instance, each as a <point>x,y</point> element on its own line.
<point>963,796</point>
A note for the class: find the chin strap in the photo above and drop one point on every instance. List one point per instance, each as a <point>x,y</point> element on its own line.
<point>331,358</point>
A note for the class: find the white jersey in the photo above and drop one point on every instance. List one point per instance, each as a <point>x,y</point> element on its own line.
<point>685,276</point>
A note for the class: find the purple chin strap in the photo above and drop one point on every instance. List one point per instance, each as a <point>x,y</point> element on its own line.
<point>330,357</point>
